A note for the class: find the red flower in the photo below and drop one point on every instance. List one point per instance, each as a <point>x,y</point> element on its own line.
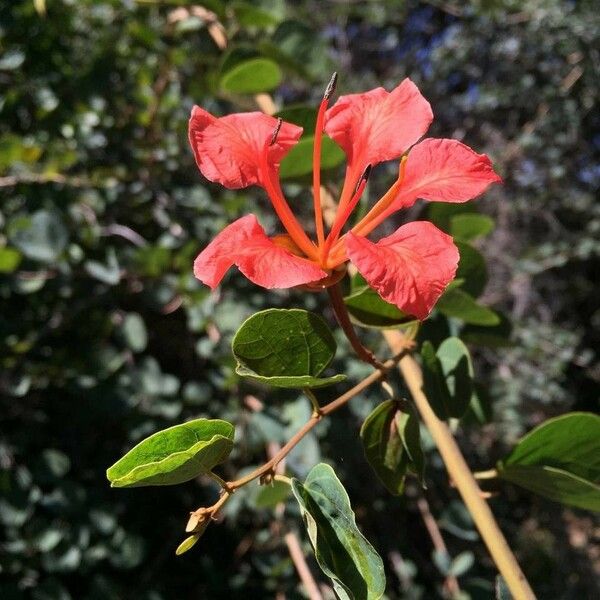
<point>410,268</point>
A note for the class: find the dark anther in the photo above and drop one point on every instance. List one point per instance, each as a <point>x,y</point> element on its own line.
<point>364,177</point>
<point>330,87</point>
<point>276,131</point>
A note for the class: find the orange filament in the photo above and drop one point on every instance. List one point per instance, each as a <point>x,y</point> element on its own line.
<point>282,208</point>
<point>373,218</point>
<point>317,172</point>
<point>343,215</point>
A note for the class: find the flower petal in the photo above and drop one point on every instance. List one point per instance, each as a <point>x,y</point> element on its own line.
<point>228,149</point>
<point>245,244</point>
<point>378,125</point>
<point>442,170</point>
<point>410,268</point>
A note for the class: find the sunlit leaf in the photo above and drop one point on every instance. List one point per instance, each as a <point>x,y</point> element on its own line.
<point>470,226</point>
<point>342,552</point>
<point>251,77</point>
<point>298,161</point>
<point>285,348</point>
<point>174,455</point>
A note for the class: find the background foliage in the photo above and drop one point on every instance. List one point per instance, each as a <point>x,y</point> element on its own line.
<point>106,336</point>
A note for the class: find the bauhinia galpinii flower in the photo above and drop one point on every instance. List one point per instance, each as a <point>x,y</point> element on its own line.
<point>409,268</point>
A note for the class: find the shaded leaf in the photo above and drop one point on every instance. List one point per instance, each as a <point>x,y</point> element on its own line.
<point>434,382</point>
<point>285,348</point>
<point>559,459</point>
<point>368,309</point>
<point>472,270</point>
<point>341,550</point>
<point>269,496</point>
<point>459,304</point>
<point>174,455</point>
<point>383,446</point>
<point>458,370</point>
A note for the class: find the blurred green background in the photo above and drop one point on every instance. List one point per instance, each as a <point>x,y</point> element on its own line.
<point>107,337</point>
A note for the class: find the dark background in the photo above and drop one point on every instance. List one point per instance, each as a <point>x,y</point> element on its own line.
<point>107,337</point>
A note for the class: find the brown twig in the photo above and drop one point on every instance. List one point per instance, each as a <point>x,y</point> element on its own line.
<point>297,556</point>
<point>341,314</point>
<point>199,516</point>
<point>451,583</point>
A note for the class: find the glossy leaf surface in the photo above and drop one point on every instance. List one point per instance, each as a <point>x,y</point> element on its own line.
<point>174,455</point>
<point>285,348</point>
<point>343,553</point>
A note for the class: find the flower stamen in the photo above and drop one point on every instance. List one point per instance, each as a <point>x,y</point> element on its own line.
<point>284,212</point>
<point>317,160</point>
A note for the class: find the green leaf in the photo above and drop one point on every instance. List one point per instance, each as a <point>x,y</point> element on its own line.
<point>174,455</point>
<point>383,446</point>
<point>41,237</point>
<point>298,161</point>
<point>442,213</point>
<point>457,367</point>
<point>434,381</point>
<point>9,259</point>
<point>341,550</point>
<point>472,270</point>
<point>269,496</point>
<point>251,77</point>
<point>469,227</point>
<point>496,336</point>
<point>248,15</point>
<point>285,348</point>
<point>368,309</point>
<point>559,459</point>
<point>133,332</point>
<point>392,443</point>
<point>407,424</point>
<point>303,115</point>
<point>461,305</point>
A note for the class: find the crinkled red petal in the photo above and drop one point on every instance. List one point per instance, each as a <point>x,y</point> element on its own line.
<point>410,268</point>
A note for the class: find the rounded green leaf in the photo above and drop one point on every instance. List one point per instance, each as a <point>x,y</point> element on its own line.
<point>470,226</point>
<point>251,77</point>
<point>187,544</point>
<point>559,459</point>
<point>174,455</point>
<point>285,348</point>
<point>341,550</point>
<point>299,160</point>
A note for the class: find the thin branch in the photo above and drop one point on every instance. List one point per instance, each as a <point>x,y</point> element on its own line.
<point>199,516</point>
<point>297,556</point>
<point>451,583</point>
<point>341,314</point>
